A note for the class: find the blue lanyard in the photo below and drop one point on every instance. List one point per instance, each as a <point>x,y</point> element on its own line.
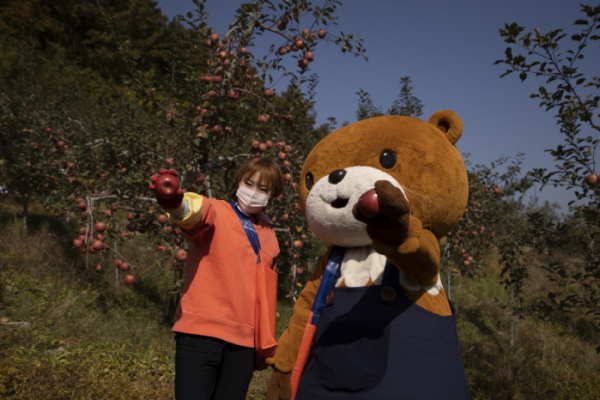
<point>335,259</point>
<point>249,229</point>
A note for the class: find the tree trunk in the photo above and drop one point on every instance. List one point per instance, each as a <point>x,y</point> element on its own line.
<point>25,215</point>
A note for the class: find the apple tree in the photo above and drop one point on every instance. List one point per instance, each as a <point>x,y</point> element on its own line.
<point>575,99</point>
<point>220,104</point>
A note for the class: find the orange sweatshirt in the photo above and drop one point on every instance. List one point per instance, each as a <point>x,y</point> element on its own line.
<point>220,273</point>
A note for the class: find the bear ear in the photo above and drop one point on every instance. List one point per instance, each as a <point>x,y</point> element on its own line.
<point>449,123</point>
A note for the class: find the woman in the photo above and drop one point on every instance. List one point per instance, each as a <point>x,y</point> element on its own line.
<point>217,315</point>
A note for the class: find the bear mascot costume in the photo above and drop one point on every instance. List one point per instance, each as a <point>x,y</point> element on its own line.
<point>385,329</point>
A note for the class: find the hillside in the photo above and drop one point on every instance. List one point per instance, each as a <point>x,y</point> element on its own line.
<point>68,334</point>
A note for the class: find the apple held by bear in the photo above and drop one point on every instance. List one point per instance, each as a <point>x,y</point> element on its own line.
<point>368,203</point>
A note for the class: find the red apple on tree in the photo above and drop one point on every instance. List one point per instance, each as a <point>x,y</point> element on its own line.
<point>98,268</point>
<point>124,266</point>
<point>100,227</point>
<point>297,244</point>
<point>130,279</point>
<point>77,243</point>
<point>162,219</point>
<point>303,63</point>
<point>591,179</point>
<point>321,33</point>
<point>368,203</point>
<point>181,255</point>
<point>262,119</point>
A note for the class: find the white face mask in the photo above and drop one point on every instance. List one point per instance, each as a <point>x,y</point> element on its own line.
<point>250,201</point>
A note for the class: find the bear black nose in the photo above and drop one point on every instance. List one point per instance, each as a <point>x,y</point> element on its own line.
<point>336,176</point>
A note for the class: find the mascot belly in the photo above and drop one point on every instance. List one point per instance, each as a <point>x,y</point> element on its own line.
<point>387,329</point>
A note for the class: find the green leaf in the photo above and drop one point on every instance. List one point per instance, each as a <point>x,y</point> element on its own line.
<point>523,76</point>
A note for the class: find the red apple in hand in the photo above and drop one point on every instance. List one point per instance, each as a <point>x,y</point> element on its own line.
<point>167,186</point>
<point>368,204</point>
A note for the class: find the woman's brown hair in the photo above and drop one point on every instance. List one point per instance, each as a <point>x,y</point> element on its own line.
<point>269,172</point>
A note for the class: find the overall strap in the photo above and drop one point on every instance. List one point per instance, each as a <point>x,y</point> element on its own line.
<point>391,275</point>
<point>249,229</point>
<point>335,259</point>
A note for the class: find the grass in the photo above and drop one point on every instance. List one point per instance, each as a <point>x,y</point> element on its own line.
<point>90,340</point>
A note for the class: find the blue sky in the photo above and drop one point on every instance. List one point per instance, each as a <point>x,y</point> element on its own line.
<point>448,49</point>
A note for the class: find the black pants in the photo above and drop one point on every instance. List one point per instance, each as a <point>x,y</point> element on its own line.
<point>211,369</point>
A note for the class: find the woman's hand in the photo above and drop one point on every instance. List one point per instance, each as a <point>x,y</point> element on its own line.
<point>166,189</point>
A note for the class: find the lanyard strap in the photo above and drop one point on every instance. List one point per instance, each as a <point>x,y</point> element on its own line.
<point>249,229</point>
<point>335,259</point>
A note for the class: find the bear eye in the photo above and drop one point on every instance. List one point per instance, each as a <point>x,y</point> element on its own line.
<point>309,181</point>
<point>387,159</point>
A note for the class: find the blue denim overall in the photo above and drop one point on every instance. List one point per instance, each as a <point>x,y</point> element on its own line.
<point>375,343</point>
